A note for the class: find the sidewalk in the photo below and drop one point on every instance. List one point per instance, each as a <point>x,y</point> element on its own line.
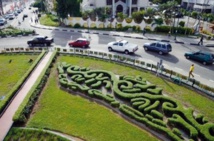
<point>6,121</point>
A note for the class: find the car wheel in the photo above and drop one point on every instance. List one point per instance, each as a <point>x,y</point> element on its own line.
<point>187,57</point>
<point>45,44</point>
<point>126,52</point>
<point>145,48</point>
<point>30,45</point>
<point>110,49</point>
<point>70,45</point>
<point>204,63</point>
<point>160,52</point>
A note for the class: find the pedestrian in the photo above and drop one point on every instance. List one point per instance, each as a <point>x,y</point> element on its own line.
<point>201,40</point>
<point>144,31</point>
<point>23,18</point>
<point>191,70</point>
<point>169,34</point>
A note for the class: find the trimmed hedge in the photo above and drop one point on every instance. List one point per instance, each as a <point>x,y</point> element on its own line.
<point>27,104</point>
<point>145,99</point>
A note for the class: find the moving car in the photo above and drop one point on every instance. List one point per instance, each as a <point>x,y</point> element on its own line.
<point>122,46</point>
<point>25,15</point>
<point>2,21</point>
<point>40,40</point>
<point>160,47</point>
<point>11,16</point>
<point>80,42</point>
<point>201,56</point>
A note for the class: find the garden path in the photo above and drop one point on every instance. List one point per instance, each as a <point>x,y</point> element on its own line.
<point>6,121</point>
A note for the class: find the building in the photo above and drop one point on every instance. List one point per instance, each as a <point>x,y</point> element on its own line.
<point>206,6</point>
<point>125,6</point>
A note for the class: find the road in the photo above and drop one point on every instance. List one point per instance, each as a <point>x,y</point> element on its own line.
<point>175,60</point>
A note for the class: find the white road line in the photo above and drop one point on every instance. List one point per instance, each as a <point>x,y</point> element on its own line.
<point>211,80</point>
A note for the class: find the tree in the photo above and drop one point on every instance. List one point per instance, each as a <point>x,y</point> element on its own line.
<point>65,7</point>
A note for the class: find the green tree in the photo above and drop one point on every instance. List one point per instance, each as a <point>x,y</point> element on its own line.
<point>194,14</point>
<point>65,7</point>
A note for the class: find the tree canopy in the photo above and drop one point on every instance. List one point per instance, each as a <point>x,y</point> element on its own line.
<point>65,7</point>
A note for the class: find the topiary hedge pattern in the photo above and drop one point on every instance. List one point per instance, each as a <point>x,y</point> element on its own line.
<point>146,103</point>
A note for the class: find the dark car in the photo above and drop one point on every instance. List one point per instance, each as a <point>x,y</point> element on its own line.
<point>160,47</point>
<point>40,40</point>
<point>25,15</point>
<point>80,42</point>
<point>204,57</point>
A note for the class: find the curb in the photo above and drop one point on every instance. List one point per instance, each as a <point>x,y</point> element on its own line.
<point>24,35</point>
<point>209,45</point>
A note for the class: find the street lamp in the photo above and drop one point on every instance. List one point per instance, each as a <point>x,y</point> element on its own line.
<point>88,26</point>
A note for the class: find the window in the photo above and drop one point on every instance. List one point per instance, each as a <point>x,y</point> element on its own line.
<point>153,44</point>
<point>109,2</point>
<point>115,44</point>
<point>134,1</point>
<point>158,45</point>
<point>120,44</point>
<point>164,46</point>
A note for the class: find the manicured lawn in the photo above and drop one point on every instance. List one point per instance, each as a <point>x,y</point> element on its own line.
<point>49,20</point>
<point>67,113</point>
<point>74,115</point>
<point>12,72</point>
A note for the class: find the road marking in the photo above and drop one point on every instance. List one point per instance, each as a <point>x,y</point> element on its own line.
<point>211,80</point>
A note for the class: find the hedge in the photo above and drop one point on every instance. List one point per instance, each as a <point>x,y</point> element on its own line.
<point>20,115</point>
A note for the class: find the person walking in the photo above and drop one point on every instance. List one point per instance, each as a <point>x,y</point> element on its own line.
<point>191,70</point>
<point>169,34</point>
<point>144,32</point>
<point>201,40</point>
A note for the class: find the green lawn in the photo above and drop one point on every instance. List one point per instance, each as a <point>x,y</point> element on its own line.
<point>12,72</point>
<point>59,110</point>
<point>74,115</point>
<point>49,20</point>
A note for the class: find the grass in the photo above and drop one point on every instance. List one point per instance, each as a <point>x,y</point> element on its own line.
<point>49,20</point>
<point>12,72</point>
<point>80,117</point>
<point>88,120</point>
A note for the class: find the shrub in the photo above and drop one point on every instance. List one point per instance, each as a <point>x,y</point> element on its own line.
<point>128,20</point>
<point>182,23</point>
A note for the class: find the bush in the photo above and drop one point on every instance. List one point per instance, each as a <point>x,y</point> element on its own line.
<point>77,25</point>
<point>182,23</point>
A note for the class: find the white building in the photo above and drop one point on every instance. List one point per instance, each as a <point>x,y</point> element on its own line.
<point>199,5</point>
<point>125,6</point>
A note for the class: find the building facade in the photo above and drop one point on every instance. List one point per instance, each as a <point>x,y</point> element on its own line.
<point>125,6</point>
<point>206,6</point>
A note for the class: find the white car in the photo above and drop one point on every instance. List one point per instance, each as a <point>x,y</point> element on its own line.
<point>122,46</point>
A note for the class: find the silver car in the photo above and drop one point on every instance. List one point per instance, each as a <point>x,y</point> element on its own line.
<point>3,21</point>
<point>160,47</point>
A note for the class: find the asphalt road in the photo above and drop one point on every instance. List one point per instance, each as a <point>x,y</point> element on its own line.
<point>175,60</point>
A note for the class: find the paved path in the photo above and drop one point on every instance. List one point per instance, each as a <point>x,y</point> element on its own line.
<point>6,121</point>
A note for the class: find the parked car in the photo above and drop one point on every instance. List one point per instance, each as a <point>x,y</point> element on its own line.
<point>122,46</point>
<point>6,16</point>
<point>201,56</point>
<point>80,42</point>
<point>160,47</point>
<point>11,16</point>
<point>40,40</point>
<point>3,21</point>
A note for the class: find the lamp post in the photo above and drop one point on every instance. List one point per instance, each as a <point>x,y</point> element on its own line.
<point>88,27</point>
